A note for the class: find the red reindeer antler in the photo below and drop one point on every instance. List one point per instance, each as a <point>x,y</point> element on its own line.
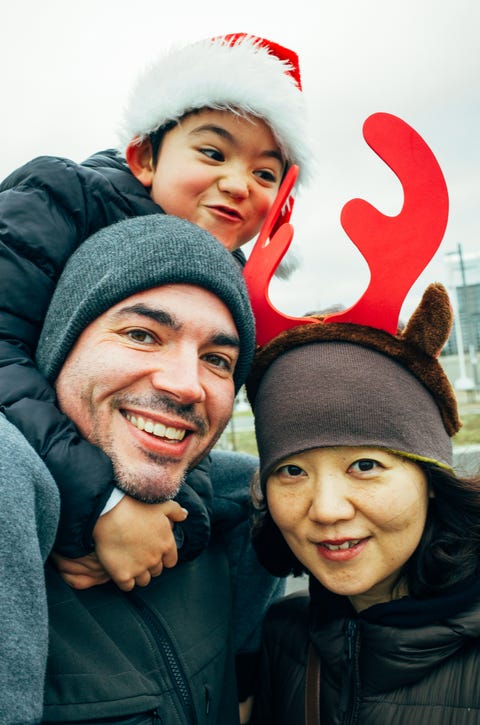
<point>397,249</point>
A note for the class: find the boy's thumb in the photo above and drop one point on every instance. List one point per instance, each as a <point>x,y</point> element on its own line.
<point>175,512</point>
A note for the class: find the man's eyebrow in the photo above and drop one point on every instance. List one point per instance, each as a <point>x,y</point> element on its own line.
<point>222,339</point>
<point>157,314</point>
<point>270,153</point>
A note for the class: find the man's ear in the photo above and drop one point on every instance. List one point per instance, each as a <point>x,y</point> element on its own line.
<point>140,161</point>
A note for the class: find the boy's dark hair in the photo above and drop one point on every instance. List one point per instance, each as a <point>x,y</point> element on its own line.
<point>448,553</point>
<point>157,137</point>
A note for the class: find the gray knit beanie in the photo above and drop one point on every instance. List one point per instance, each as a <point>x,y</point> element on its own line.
<point>135,255</point>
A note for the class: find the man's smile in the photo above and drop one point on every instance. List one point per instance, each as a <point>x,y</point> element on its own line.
<point>157,429</point>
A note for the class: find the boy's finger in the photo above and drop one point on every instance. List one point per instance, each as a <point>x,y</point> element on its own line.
<point>170,557</point>
<point>174,511</point>
<point>81,581</point>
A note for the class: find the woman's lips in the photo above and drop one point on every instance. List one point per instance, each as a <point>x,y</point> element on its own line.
<point>341,549</point>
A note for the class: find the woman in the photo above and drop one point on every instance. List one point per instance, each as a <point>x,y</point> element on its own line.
<point>356,488</point>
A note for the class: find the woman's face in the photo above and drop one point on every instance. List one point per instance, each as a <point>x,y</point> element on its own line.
<point>352,516</point>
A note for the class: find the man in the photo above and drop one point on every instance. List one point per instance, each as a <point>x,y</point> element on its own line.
<point>29,510</point>
<point>148,337</point>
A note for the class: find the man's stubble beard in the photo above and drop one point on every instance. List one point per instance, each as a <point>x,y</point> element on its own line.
<point>170,484</point>
<point>154,487</point>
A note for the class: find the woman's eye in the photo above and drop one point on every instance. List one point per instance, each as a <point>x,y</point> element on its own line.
<point>364,465</point>
<point>290,470</point>
<point>140,336</point>
<point>213,154</point>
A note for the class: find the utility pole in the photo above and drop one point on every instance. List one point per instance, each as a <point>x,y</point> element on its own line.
<point>472,348</point>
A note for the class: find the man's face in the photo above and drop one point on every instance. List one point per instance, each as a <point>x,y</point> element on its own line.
<point>150,382</point>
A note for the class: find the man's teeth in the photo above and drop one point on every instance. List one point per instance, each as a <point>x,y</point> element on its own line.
<point>345,545</point>
<point>156,429</point>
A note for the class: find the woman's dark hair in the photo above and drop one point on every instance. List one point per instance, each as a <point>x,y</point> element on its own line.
<point>449,550</point>
<point>447,555</point>
<point>270,547</point>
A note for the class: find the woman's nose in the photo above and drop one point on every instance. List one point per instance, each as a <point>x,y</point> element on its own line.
<point>331,500</point>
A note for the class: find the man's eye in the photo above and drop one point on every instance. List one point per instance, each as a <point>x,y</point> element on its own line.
<point>213,154</point>
<point>219,361</point>
<point>140,336</point>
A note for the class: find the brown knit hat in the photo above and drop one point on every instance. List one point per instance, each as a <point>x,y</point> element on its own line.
<point>352,378</point>
<point>334,384</point>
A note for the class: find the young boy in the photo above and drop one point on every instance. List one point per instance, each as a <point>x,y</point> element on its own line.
<point>209,132</point>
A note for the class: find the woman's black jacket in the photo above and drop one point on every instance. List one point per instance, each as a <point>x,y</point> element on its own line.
<point>405,662</point>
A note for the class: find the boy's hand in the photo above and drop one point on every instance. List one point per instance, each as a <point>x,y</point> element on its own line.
<point>81,573</point>
<point>133,542</point>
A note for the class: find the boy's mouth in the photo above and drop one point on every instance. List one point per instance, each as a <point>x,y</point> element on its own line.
<point>228,211</point>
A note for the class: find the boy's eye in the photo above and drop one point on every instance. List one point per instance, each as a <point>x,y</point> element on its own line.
<point>267,175</point>
<point>212,153</point>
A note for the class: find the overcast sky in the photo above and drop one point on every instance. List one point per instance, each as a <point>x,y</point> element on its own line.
<point>67,66</point>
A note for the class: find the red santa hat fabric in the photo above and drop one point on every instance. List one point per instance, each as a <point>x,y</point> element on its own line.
<point>239,72</point>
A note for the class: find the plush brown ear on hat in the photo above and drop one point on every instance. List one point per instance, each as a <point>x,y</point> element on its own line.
<point>431,323</point>
<point>423,339</point>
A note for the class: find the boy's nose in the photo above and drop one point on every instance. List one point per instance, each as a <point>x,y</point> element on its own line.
<point>234,183</point>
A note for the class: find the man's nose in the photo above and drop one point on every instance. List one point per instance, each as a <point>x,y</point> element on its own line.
<point>179,376</point>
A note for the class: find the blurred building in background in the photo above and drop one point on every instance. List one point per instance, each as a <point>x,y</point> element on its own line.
<point>464,342</point>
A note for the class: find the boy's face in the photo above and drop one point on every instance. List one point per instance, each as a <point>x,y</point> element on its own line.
<point>215,169</point>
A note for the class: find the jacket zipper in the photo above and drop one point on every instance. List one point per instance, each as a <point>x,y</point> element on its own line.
<point>349,699</point>
<point>167,650</point>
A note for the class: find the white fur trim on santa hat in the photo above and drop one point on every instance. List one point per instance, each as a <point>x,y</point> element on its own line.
<point>214,74</point>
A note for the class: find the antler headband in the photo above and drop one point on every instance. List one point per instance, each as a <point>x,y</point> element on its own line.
<point>396,248</point>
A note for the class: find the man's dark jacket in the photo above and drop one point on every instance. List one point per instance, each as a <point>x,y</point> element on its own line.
<point>158,654</point>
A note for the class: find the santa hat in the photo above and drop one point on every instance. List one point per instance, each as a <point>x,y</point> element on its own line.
<point>238,72</point>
